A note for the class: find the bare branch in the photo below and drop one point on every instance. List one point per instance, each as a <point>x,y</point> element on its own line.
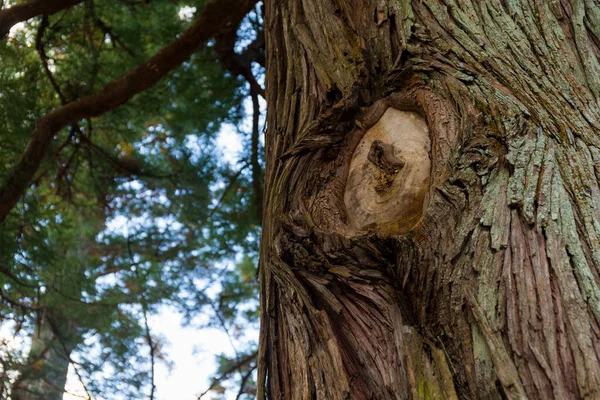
<point>217,16</point>
<point>225,329</point>
<point>9,17</point>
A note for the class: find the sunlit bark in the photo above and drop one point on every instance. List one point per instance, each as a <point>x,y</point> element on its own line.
<point>494,293</point>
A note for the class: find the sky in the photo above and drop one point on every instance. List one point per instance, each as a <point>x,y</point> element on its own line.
<point>191,352</point>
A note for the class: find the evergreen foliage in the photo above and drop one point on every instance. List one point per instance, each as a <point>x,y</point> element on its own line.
<point>129,211</point>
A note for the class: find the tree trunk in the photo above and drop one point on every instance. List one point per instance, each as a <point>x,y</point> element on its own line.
<point>45,374</point>
<point>470,269</point>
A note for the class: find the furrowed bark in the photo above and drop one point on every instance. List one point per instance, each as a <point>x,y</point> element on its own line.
<point>216,17</point>
<point>21,12</point>
<point>495,292</point>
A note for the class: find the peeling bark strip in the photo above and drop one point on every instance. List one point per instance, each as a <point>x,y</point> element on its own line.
<point>217,17</point>
<point>495,293</point>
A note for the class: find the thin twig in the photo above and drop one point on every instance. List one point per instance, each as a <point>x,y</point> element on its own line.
<point>226,329</point>
<point>6,272</point>
<point>39,46</point>
<point>229,371</point>
<point>15,303</point>
<point>152,346</point>
<point>225,191</point>
<point>245,381</point>
<point>130,166</point>
<point>106,30</point>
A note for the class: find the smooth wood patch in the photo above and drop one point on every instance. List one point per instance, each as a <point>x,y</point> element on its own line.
<point>389,174</point>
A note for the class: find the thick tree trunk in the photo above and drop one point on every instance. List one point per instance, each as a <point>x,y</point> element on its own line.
<point>45,374</point>
<point>489,287</point>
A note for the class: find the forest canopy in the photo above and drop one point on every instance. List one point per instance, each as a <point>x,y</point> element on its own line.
<point>115,198</point>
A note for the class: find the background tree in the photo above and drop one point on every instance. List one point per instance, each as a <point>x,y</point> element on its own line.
<point>489,288</point>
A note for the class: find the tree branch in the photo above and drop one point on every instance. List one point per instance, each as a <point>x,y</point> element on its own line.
<point>9,17</point>
<point>16,304</point>
<point>255,51</point>
<point>128,166</point>
<point>115,39</point>
<point>44,58</point>
<point>237,64</point>
<point>217,312</point>
<point>217,17</point>
<point>249,358</point>
<point>4,270</point>
<point>229,186</point>
<point>245,381</point>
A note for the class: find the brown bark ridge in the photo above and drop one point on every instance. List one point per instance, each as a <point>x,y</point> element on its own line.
<point>495,292</point>
<point>217,17</point>
<point>21,12</point>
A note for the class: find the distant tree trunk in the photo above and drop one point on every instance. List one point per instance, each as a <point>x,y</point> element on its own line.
<point>481,278</point>
<point>45,373</point>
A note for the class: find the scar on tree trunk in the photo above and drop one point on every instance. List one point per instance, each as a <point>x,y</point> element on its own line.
<point>482,278</point>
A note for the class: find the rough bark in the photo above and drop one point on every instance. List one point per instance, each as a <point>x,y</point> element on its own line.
<point>495,292</point>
